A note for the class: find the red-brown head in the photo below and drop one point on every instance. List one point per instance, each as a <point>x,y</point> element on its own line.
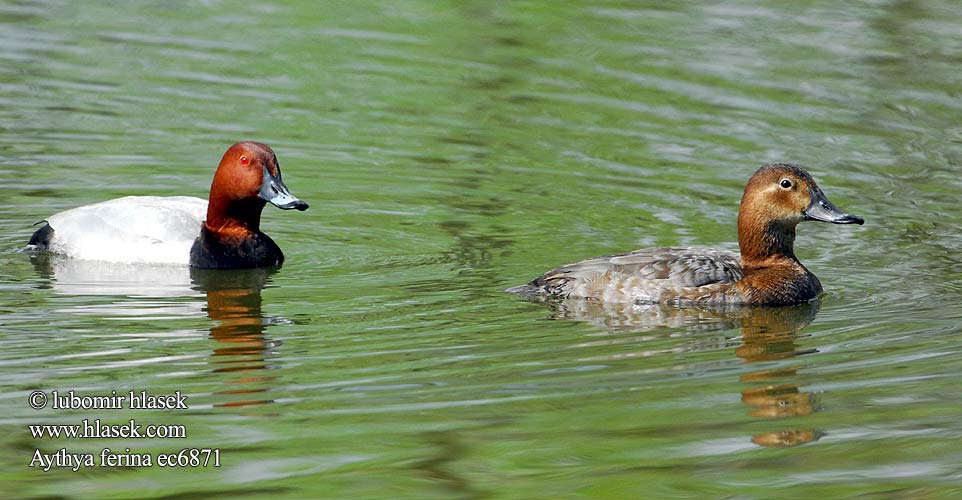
<point>776,199</point>
<point>247,178</point>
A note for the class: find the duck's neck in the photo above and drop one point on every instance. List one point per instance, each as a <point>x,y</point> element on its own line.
<point>233,217</point>
<point>764,245</point>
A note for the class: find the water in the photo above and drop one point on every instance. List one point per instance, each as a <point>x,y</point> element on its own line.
<point>452,149</point>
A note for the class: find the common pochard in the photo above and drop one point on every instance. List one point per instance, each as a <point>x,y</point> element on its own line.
<point>778,196</point>
<point>223,233</point>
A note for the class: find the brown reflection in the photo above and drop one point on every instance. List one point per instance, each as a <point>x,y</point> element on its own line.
<point>234,303</point>
<point>768,334</point>
<point>784,439</point>
<point>441,465</point>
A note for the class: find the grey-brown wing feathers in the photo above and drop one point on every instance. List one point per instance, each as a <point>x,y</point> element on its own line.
<point>646,275</point>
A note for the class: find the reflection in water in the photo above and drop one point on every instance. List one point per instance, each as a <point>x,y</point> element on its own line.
<point>442,464</point>
<point>234,302</point>
<point>91,277</point>
<point>154,293</point>
<point>768,334</point>
<point>643,317</point>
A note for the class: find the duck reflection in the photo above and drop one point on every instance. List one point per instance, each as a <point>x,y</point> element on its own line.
<point>67,276</point>
<point>768,334</point>
<point>234,303</point>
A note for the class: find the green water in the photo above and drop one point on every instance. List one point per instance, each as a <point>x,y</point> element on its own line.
<point>452,149</point>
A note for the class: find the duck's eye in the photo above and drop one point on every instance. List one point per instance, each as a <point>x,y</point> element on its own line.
<point>246,161</point>
<point>785,183</point>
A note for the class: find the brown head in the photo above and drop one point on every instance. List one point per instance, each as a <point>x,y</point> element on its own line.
<point>247,178</point>
<point>776,199</point>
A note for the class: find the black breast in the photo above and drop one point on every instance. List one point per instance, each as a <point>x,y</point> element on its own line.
<point>210,251</point>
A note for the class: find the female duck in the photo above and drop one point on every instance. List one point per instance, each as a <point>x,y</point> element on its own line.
<point>776,199</point>
<point>174,230</point>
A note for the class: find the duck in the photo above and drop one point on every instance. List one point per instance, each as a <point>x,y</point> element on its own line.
<point>222,232</point>
<point>765,271</point>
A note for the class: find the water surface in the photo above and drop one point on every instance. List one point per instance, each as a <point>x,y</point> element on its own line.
<point>450,150</point>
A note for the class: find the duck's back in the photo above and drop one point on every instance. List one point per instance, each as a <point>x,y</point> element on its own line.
<point>133,229</point>
<point>650,275</point>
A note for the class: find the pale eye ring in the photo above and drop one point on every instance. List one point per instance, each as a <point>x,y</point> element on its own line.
<point>785,184</point>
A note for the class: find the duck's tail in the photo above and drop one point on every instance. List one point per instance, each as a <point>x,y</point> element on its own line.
<point>527,290</point>
<point>41,237</point>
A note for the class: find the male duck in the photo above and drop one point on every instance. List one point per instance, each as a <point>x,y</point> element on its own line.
<point>173,230</point>
<point>778,196</point>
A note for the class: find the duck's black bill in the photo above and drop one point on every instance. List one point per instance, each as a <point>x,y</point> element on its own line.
<point>274,190</point>
<point>823,210</point>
